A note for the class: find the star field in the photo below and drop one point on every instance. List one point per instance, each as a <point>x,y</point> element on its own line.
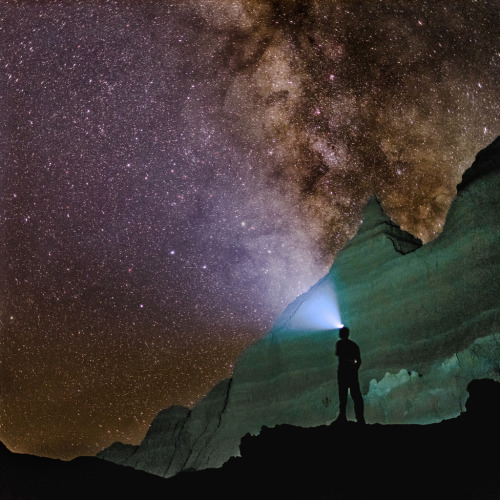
<point>173,174</point>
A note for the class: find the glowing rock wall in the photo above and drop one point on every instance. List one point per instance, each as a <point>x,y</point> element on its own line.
<point>426,317</point>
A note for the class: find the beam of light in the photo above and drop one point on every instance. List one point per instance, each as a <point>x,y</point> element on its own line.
<point>319,311</point>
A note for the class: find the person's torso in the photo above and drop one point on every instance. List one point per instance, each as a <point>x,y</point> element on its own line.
<point>347,352</point>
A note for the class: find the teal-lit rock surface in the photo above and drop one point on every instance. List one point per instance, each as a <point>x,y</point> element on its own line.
<point>426,317</point>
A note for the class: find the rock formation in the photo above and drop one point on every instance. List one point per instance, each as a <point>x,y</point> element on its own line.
<point>426,317</point>
<point>178,438</point>
<point>449,460</point>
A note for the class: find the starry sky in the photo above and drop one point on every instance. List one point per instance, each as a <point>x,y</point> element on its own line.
<point>174,173</point>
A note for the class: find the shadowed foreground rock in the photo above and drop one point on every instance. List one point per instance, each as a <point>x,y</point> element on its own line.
<point>454,459</point>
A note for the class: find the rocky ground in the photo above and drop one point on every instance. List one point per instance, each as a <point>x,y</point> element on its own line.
<point>454,459</point>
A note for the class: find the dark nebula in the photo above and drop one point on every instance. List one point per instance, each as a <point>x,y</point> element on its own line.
<point>173,174</point>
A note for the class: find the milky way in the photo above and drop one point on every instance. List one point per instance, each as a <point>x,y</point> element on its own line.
<point>173,174</point>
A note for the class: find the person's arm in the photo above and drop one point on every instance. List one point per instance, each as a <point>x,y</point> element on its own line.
<point>358,353</point>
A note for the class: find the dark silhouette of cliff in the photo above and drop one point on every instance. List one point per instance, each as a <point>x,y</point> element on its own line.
<point>453,459</point>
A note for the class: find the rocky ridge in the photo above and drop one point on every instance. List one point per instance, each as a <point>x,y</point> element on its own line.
<point>426,317</point>
<point>450,460</point>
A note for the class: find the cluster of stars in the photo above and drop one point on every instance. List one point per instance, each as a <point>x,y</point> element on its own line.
<point>173,174</point>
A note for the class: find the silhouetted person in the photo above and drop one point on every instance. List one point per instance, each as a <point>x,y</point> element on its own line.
<point>347,375</point>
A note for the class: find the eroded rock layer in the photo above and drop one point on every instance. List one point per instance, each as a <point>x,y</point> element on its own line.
<point>426,317</point>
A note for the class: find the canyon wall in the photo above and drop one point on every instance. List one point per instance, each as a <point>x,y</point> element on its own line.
<point>426,318</point>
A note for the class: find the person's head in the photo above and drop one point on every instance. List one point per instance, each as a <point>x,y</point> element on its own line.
<point>344,332</point>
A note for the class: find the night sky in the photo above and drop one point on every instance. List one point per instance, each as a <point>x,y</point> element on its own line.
<point>174,173</point>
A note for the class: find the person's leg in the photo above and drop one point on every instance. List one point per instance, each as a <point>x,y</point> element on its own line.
<point>343,388</point>
<point>359,406</point>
